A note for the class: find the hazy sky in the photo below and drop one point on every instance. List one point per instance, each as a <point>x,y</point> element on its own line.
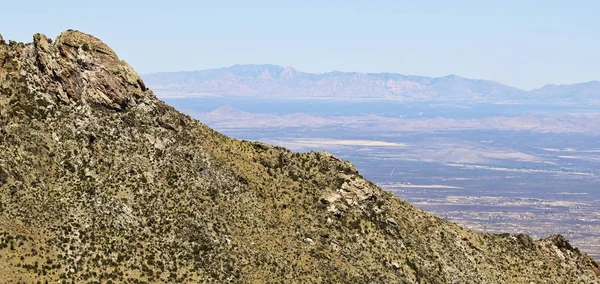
<point>522,43</point>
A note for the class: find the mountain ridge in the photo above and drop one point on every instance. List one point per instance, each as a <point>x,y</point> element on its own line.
<point>100,181</point>
<point>266,79</point>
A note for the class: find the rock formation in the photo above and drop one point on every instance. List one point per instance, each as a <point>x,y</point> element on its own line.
<point>102,182</point>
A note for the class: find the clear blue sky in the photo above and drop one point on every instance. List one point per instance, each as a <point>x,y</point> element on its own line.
<point>524,43</point>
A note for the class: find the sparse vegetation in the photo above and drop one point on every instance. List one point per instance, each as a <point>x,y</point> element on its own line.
<point>102,182</point>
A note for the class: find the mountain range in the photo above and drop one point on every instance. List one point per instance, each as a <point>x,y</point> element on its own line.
<point>272,80</point>
<point>101,182</point>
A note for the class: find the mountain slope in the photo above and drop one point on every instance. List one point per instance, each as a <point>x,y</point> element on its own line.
<point>588,91</point>
<point>99,180</point>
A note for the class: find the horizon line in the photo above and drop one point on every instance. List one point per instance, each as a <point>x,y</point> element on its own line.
<point>369,73</point>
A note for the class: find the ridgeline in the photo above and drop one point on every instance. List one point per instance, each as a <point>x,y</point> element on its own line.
<point>102,182</point>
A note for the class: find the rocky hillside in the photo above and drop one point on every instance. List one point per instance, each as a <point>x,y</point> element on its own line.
<point>102,182</point>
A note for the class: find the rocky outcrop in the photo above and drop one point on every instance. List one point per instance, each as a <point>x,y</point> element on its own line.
<point>80,68</point>
<point>102,182</point>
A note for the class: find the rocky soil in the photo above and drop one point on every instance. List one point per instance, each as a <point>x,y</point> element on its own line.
<point>102,182</point>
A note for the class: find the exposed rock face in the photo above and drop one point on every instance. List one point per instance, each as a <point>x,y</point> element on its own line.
<point>101,181</point>
<point>81,68</point>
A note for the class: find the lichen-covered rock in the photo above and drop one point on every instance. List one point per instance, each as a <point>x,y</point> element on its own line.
<point>82,69</point>
<point>99,181</point>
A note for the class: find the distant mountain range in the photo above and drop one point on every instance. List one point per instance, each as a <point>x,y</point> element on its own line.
<point>272,80</point>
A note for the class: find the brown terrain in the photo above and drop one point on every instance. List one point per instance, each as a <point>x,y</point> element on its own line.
<point>101,182</point>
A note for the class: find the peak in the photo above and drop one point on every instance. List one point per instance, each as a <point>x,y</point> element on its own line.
<point>229,111</point>
<point>289,72</point>
<point>77,68</point>
<point>452,76</point>
<point>253,70</point>
<point>154,193</point>
<point>226,109</point>
<point>77,39</point>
